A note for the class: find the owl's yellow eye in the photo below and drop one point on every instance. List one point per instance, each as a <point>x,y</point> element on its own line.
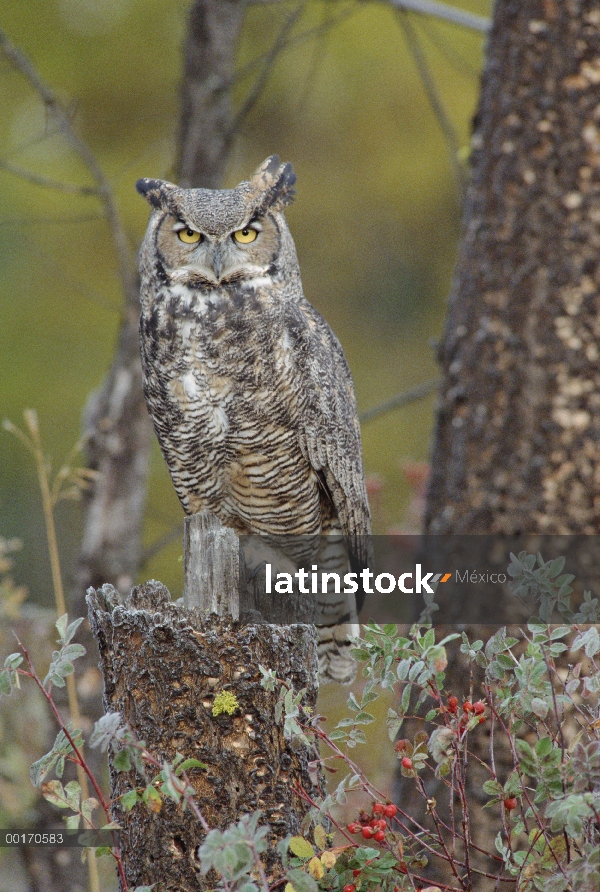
<point>189,236</point>
<point>245,236</point>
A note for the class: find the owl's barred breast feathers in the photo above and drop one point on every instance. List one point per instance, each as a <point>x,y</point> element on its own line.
<point>247,386</point>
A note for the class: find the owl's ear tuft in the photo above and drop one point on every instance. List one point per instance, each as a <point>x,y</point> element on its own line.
<point>273,184</point>
<point>154,191</point>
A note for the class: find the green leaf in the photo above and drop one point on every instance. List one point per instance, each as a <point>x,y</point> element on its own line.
<point>73,794</point>
<point>189,763</point>
<point>72,822</point>
<point>72,629</point>
<point>122,761</point>
<point>539,707</point>
<point>73,651</point>
<point>5,682</point>
<point>87,807</point>
<point>103,850</point>
<point>320,836</point>
<point>61,624</point>
<point>543,747</point>
<point>13,661</point>
<point>53,792</point>
<point>352,703</point>
<point>129,799</point>
<point>492,788</point>
<point>301,847</point>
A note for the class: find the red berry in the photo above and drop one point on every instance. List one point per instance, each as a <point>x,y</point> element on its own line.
<point>380,824</point>
<point>354,828</point>
<point>452,704</point>
<point>379,836</point>
<point>481,719</point>
<point>367,832</point>
<point>478,707</point>
<point>390,811</point>
<point>349,887</point>
<point>509,803</point>
<point>356,872</point>
<point>407,763</point>
<point>467,706</point>
<point>378,808</point>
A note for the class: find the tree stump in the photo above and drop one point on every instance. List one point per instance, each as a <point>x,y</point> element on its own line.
<point>163,666</point>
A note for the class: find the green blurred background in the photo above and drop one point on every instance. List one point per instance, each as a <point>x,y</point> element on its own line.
<point>375,220</point>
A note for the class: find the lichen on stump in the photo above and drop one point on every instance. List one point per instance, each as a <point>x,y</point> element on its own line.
<point>163,668</point>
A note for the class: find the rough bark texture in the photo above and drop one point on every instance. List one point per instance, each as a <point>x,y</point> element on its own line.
<point>205,131</point>
<point>518,425</point>
<point>162,669</point>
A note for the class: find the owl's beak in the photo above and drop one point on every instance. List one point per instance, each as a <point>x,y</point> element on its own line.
<point>217,262</point>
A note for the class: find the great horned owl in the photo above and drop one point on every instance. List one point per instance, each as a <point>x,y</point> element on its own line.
<point>248,388</point>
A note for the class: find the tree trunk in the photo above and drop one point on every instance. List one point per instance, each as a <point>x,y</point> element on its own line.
<point>518,423</point>
<point>163,668</point>
<point>205,135</point>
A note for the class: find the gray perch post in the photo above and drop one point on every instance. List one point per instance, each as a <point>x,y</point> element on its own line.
<point>163,666</point>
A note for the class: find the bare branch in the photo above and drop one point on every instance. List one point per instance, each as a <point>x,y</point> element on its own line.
<point>446,12</point>
<point>60,114</point>
<point>308,34</point>
<point>269,62</point>
<point>50,221</point>
<point>429,86</point>
<point>401,399</point>
<point>450,55</point>
<point>47,182</point>
<point>438,10</point>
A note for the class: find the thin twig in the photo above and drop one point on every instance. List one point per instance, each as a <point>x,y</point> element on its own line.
<point>47,182</point>
<point>433,8</point>
<point>450,55</point>
<point>401,399</point>
<point>446,12</point>
<point>50,221</point>
<point>269,62</point>
<point>33,443</point>
<point>435,102</point>
<point>308,34</point>
<point>61,115</point>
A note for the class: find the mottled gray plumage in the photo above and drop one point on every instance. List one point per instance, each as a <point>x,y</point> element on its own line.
<point>248,387</point>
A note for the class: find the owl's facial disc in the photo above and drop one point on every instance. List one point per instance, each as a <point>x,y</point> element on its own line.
<point>202,255</point>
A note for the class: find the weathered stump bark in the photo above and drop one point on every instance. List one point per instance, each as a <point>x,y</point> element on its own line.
<point>163,666</point>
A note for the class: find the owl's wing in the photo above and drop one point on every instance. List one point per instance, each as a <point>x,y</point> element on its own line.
<point>329,433</point>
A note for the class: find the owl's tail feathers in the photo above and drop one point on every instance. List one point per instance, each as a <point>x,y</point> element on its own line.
<point>335,660</point>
